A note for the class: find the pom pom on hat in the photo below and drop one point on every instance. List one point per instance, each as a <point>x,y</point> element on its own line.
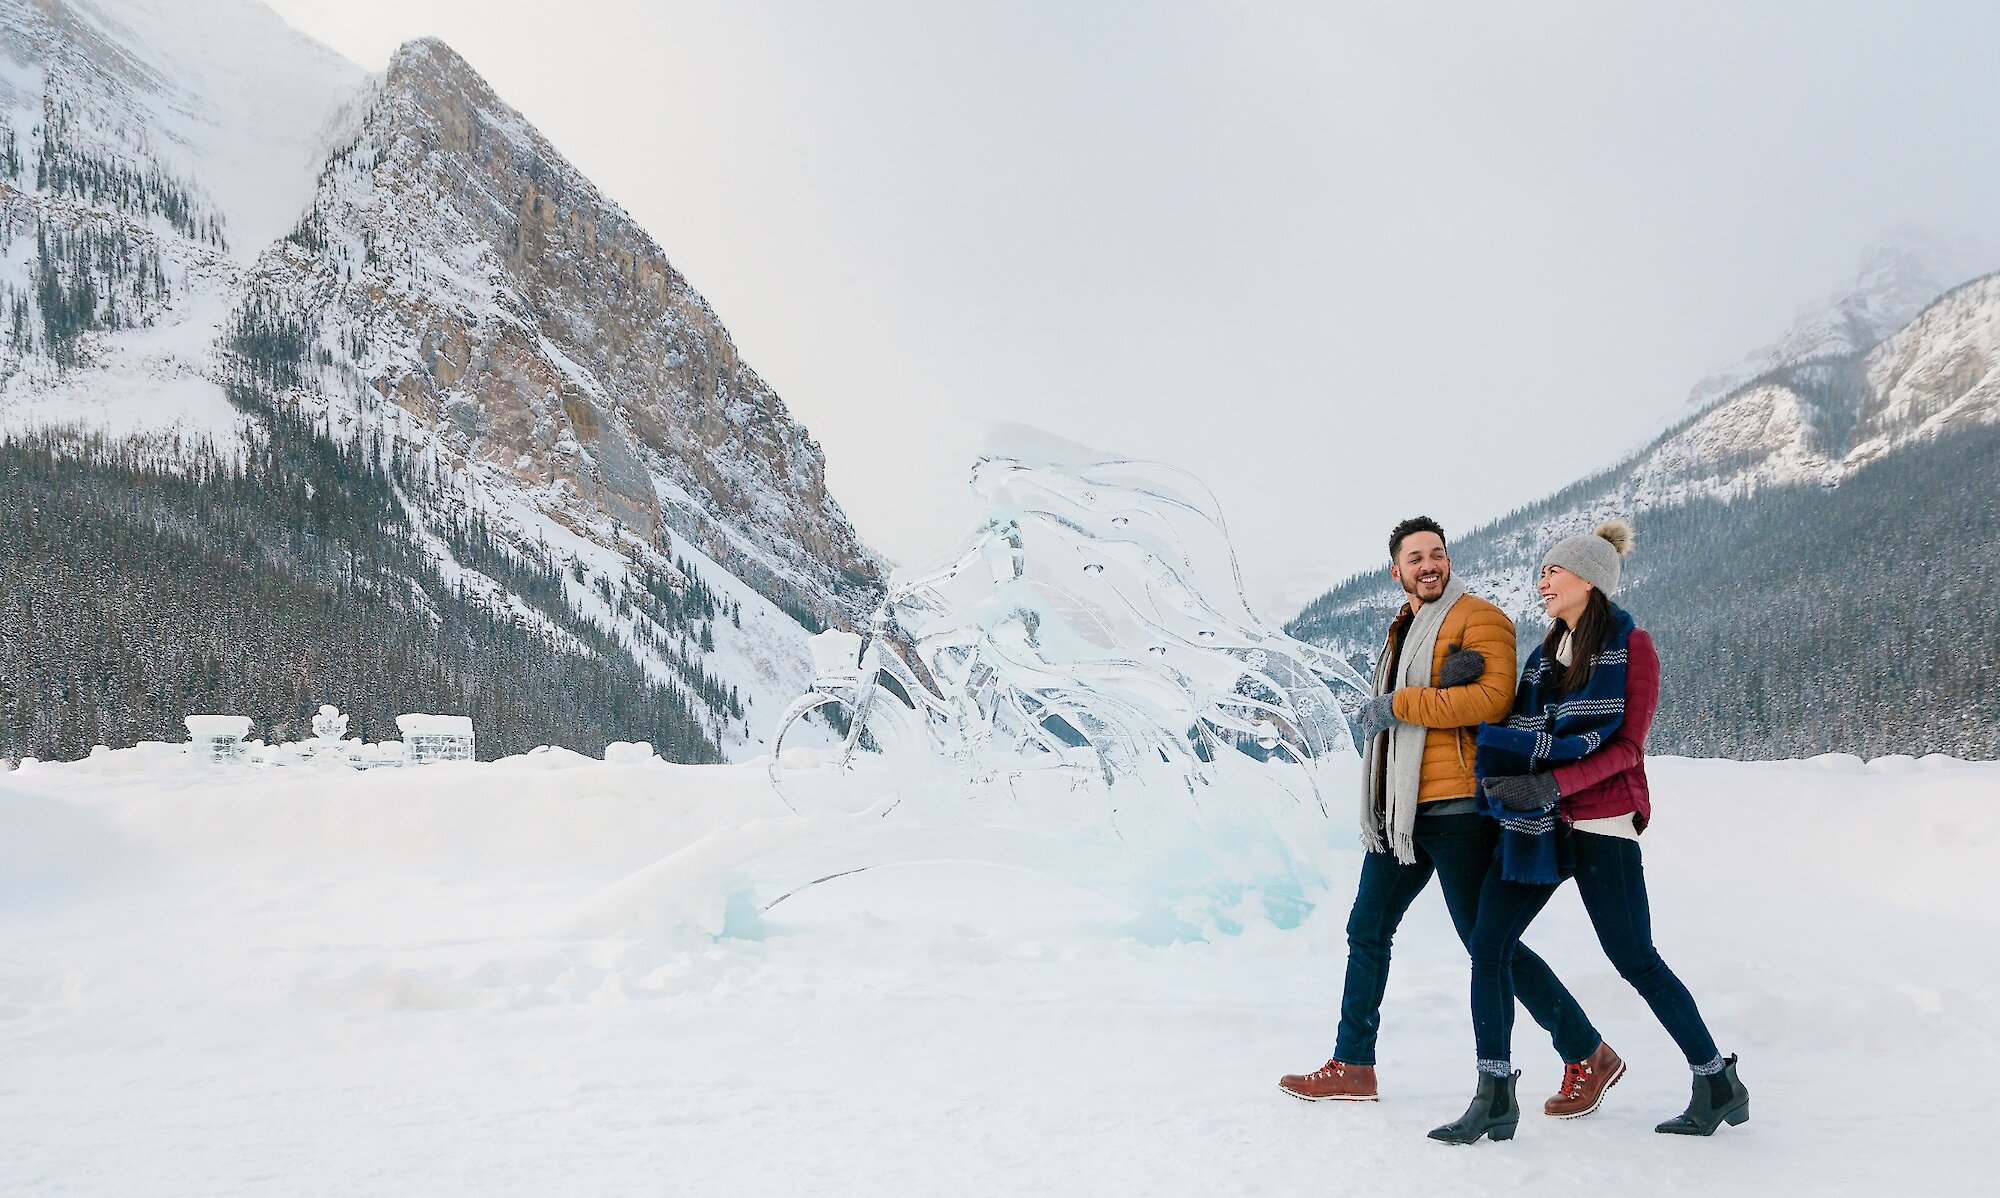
<point>1618,531</point>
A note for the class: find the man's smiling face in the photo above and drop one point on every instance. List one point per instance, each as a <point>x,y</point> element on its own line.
<point>1422,567</point>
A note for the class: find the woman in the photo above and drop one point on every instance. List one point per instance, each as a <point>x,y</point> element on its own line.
<point>1566,779</point>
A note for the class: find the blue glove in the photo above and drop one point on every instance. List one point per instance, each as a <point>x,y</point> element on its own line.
<point>1524,792</point>
<point>1373,718</point>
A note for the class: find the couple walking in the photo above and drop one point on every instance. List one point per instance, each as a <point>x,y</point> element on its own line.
<point>1502,792</point>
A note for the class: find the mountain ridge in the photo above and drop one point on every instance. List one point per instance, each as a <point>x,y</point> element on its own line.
<point>463,320</point>
<point>1896,279</point>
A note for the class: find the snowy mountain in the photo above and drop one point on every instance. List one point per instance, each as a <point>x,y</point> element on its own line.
<point>224,245</point>
<point>146,151</point>
<point>1913,415</point>
<point>453,268</point>
<point>1897,278</point>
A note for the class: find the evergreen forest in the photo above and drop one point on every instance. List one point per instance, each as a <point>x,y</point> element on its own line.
<point>140,583</point>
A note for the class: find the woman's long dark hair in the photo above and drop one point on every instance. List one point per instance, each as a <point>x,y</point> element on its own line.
<point>1591,629</point>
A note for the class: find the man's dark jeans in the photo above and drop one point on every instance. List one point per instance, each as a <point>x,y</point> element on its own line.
<point>1457,848</point>
<point>1611,880</point>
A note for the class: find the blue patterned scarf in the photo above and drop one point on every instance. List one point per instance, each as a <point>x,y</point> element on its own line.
<point>1548,728</point>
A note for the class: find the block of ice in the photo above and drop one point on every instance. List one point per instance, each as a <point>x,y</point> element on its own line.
<point>1080,679</point>
<point>628,752</point>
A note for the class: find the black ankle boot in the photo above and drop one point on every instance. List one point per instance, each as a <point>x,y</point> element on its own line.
<point>1493,1113</point>
<point>1718,1098</point>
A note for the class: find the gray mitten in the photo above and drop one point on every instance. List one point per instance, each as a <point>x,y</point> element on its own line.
<point>1524,792</point>
<point>1461,666</point>
<point>1374,717</point>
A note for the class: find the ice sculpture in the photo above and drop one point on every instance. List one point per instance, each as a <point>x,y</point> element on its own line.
<point>1080,687</point>
<point>329,726</point>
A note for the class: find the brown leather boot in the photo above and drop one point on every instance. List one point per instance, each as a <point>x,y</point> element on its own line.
<point>1584,1084</point>
<point>1333,1081</point>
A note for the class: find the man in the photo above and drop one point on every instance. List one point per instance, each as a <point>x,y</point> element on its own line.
<point>1447,665</point>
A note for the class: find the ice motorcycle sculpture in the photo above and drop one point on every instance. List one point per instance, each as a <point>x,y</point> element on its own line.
<point>1080,688</point>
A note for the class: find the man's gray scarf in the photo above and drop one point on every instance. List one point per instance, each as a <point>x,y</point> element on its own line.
<point>1389,822</point>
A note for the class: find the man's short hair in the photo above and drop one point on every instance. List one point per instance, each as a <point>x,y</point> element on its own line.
<point>1413,524</point>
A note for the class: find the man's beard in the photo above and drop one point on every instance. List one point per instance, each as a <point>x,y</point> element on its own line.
<point>1410,588</point>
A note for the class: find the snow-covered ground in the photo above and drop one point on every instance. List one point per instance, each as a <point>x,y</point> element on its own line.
<point>284,981</point>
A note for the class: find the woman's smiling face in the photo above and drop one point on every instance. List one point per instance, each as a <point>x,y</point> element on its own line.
<point>1563,594</point>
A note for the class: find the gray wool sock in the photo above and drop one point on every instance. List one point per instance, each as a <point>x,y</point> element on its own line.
<point>1498,1068</point>
<point>1713,1067</point>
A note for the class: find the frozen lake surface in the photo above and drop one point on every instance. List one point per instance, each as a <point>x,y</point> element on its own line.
<point>297,982</point>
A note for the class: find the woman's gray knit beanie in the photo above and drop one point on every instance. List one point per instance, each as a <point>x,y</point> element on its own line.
<point>1594,557</point>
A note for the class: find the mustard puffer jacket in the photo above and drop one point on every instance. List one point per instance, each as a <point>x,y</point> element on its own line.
<point>1453,715</point>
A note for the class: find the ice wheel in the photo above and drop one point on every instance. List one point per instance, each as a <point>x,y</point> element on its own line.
<point>828,755</point>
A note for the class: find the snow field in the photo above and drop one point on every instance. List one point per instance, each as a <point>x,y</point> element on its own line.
<point>426,981</point>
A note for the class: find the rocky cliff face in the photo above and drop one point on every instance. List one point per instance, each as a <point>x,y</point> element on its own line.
<point>1935,375</point>
<point>453,264</point>
<point>1896,279</point>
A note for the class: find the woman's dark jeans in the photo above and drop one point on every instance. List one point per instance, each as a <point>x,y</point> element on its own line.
<point>1612,883</point>
<point>1457,848</point>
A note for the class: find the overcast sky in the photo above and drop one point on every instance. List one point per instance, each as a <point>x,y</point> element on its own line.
<point>1345,262</point>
